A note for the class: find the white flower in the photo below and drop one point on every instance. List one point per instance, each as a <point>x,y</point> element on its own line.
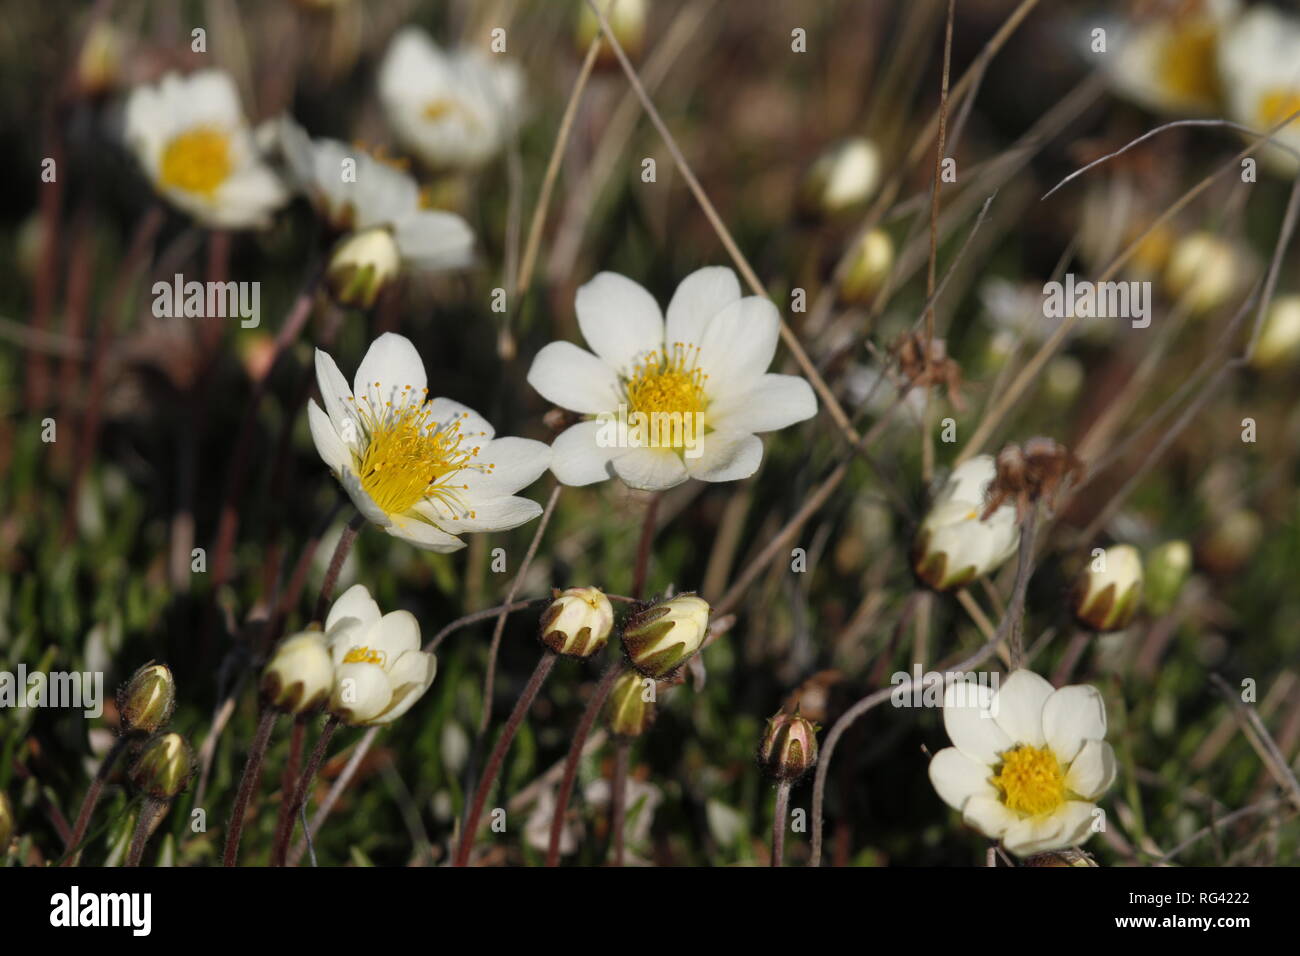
<point>675,400</point>
<point>955,545</point>
<point>356,192</point>
<point>843,176</point>
<point>1204,271</point>
<point>423,470</point>
<point>1259,59</point>
<point>453,108</point>
<point>379,669</point>
<point>1167,64</point>
<point>193,142</point>
<point>1028,761</point>
<point>1107,594</point>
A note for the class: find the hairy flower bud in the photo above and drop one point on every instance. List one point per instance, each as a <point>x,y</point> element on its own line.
<point>631,707</point>
<point>300,676</point>
<point>578,622</point>
<point>660,638</point>
<point>362,264</point>
<point>163,768</point>
<point>873,258</point>
<point>1107,594</point>
<point>145,703</point>
<point>789,747</point>
<point>1166,571</point>
<point>844,176</point>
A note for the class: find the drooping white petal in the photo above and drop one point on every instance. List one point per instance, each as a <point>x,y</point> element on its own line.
<point>329,445</point>
<point>725,457</point>
<point>699,297</point>
<point>578,458</point>
<point>738,346</point>
<point>619,319</point>
<point>957,778</point>
<point>391,371</point>
<point>1071,716</point>
<point>774,402</point>
<point>493,514</point>
<point>1018,707</point>
<point>650,469</point>
<point>970,727</point>
<point>573,378</point>
<point>1093,770</point>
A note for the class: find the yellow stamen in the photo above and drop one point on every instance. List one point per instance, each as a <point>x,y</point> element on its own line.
<point>409,457</point>
<point>197,161</point>
<point>1030,780</point>
<point>364,655</point>
<point>668,384</point>
<point>1277,105</point>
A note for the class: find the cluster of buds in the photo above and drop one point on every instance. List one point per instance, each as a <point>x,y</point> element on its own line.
<point>660,638</point>
<point>1031,472</point>
<point>631,707</point>
<point>145,702</point>
<point>1107,594</point>
<point>300,675</point>
<point>924,366</point>
<point>163,768</point>
<point>789,747</point>
<point>956,543</point>
<point>578,622</point>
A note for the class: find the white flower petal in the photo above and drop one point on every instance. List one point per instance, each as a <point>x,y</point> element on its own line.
<point>411,676</point>
<point>431,240</point>
<point>775,401</point>
<point>738,346</point>
<point>970,728</point>
<point>356,604</point>
<point>957,778</point>
<point>573,378</point>
<point>329,445</point>
<point>619,319</point>
<point>390,372</point>
<point>474,428</point>
<point>424,535</point>
<point>1071,716</point>
<point>494,514</point>
<point>699,297</point>
<point>988,815</point>
<point>725,457</point>
<point>577,458</point>
<point>393,635</point>
<point>361,498</point>
<point>361,691</point>
<point>1018,707</point>
<point>516,463</point>
<point>1093,770</point>
<point>1068,826</point>
<point>337,397</point>
<point>650,469</point>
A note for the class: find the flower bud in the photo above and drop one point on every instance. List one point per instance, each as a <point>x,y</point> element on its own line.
<point>1203,271</point>
<point>145,703</point>
<point>362,264</point>
<point>789,747</point>
<point>300,676</point>
<point>1279,342</point>
<point>163,768</point>
<point>6,823</point>
<point>955,545</point>
<point>578,622</point>
<point>631,707</point>
<point>1108,592</point>
<point>663,636</point>
<point>873,258</point>
<point>99,65</point>
<point>627,20</point>
<point>1167,569</point>
<point>844,176</point>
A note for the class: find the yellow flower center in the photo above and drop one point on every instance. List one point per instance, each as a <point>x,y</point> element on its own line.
<point>1188,66</point>
<point>364,655</point>
<point>1277,105</point>
<point>1031,780</point>
<point>409,457</point>
<point>667,388</point>
<point>197,161</point>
